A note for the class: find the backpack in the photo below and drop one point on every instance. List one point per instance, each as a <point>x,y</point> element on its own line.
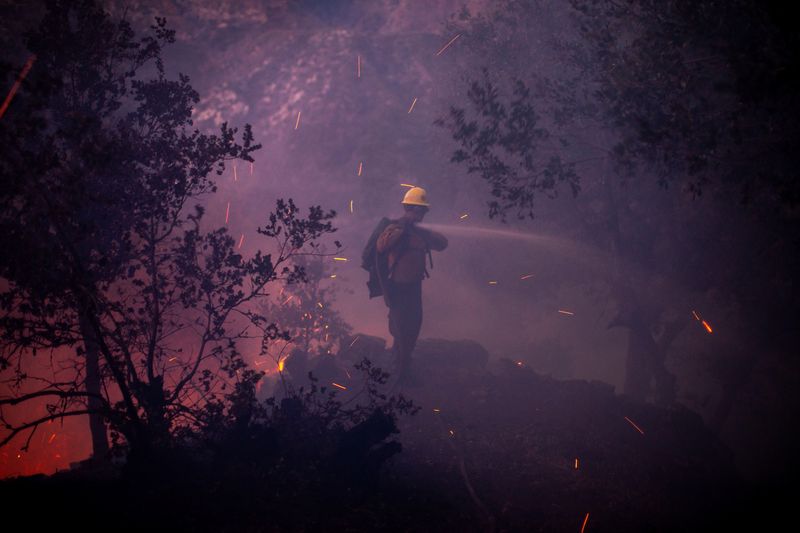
<point>376,264</point>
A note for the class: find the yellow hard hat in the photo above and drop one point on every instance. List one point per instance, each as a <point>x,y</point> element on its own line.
<point>416,196</point>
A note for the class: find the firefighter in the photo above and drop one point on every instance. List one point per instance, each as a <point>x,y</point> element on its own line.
<point>407,246</point>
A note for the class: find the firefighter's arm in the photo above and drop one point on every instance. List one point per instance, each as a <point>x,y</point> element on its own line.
<point>390,237</point>
<point>436,241</point>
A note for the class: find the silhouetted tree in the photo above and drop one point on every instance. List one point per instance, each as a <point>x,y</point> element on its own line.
<point>103,252</point>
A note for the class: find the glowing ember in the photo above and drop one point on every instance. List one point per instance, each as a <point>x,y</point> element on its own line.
<point>435,410</point>
<point>407,185</point>
<point>565,312</point>
<point>412,105</point>
<point>448,44</point>
<point>319,304</point>
<point>360,166</point>
<point>576,463</point>
<point>227,212</point>
<point>171,359</point>
<point>281,365</point>
<point>465,215</point>
<point>631,422</point>
<point>17,84</point>
<point>354,341</point>
<point>340,259</point>
<point>707,326</point>
<point>338,386</point>
<point>586,519</point>
<point>241,240</point>
<point>526,276</point>
<point>492,283</point>
<point>297,124</point>
<point>333,276</point>
<point>351,206</point>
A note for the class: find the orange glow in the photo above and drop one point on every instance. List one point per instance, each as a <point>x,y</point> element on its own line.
<point>17,84</point>
<point>448,44</point>
<point>526,276</point>
<point>241,240</point>
<point>51,439</point>
<point>360,166</point>
<point>631,422</point>
<point>412,105</point>
<point>576,463</point>
<point>465,215</point>
<point>340,259</point>
<point>708,327</point>
<point>570,313</point>
<point>297,124</point>
<point>227,212</point>
<point>338,386</point>
<point>586,519</point>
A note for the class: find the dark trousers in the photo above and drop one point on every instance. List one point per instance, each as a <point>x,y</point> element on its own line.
<point>405,321</point>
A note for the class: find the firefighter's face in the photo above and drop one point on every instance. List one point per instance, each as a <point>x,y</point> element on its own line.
<point>417,212</point>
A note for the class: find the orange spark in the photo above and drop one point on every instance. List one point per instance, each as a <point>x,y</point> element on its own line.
<point>526,276</point>
<point>340,259</point>
<point>465,215</point>
<point>227,212</point>
<point>452,433</point>
<point>576,463</point>
<point>358,61</point>
<point>319,304</point>
<point>435,410</point>
<point>171,359</point>
<point>412,106</point>
<point>586,519</point>
<point>360,166</point>
<point>235,175</point>
<point>241,240</point>
<point>492,283</point>
<point>17,84</point>
<point>565,312</point>
<point>297,124</point>
<point>696,317</point>
<point>338,386</point>
<point>448,44</point>
<point>631,422</point>
<point>351,206</point>
<point>354,341</point>
<point>51,439</point>
<point>333,276</point>
<point>708,327</point>
<point>406,185</point>
<point>281,364</point>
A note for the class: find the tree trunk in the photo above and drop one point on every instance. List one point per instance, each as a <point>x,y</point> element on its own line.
<point>92,385</point>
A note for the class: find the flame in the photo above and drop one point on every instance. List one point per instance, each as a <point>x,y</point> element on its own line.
<point>448,44</point>
<point>412,106</point>
<point>565,312</point>
<point>281,364</point>
<point>338,386</point>
<point>631,422</point>
<point>297,124</point>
